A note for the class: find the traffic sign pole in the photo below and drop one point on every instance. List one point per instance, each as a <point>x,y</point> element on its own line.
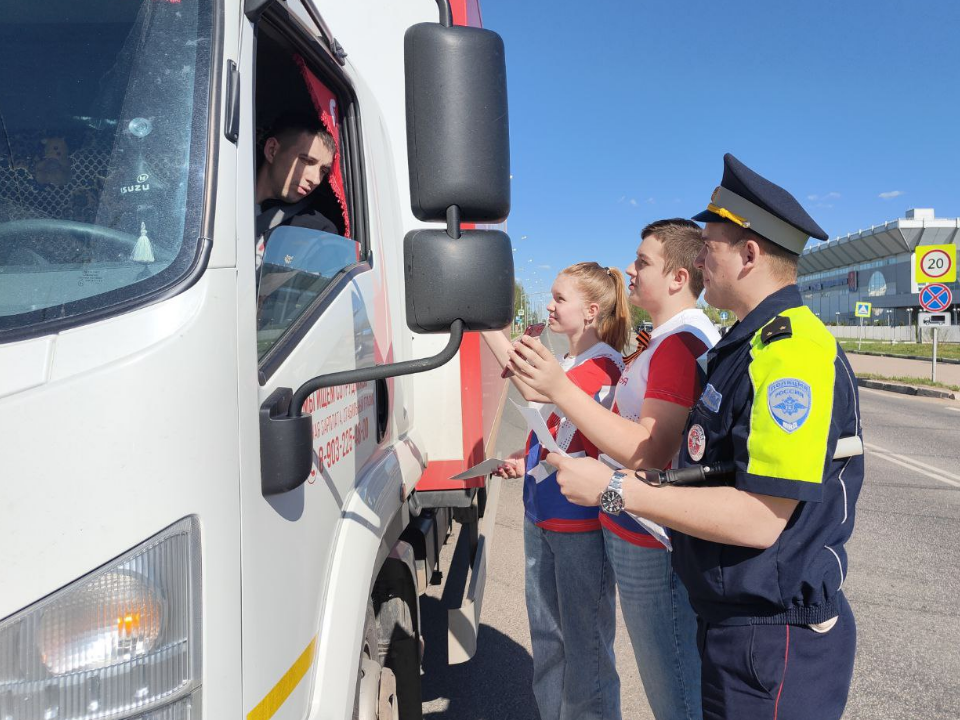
<point>933,367</point>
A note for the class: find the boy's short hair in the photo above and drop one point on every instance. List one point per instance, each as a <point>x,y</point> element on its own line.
<point>681,241</point>
<point>292,124</point>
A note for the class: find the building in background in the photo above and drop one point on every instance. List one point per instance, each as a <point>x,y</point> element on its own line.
<point>875,266</point>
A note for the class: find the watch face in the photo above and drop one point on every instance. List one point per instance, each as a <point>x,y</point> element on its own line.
<point>611,502</point>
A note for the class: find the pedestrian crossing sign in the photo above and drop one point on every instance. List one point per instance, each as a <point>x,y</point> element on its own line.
<point>863,309</point>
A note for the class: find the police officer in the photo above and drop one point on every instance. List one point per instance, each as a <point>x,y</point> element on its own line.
<point>761,550</point>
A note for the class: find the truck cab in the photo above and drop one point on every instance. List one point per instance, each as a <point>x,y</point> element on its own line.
<point>226,452</point>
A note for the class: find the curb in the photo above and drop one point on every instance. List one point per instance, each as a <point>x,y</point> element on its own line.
<point>948,361</point>
<point>906,389</point>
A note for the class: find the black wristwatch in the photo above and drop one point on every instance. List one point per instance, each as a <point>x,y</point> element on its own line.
<point>611,500</point>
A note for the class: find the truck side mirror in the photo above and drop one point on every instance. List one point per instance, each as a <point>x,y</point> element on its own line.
<point>458,144</point>
<point>458,150</point>
<point>470,278</point>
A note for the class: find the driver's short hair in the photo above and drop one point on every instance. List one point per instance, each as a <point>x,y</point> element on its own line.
<point>292,124</point>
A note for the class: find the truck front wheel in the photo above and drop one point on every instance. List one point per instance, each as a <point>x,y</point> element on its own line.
<point>399,652</point>
<point>376,697</point>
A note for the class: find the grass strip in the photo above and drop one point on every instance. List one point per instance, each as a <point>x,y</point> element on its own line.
<point>926,382</point>
<point>924,350</point>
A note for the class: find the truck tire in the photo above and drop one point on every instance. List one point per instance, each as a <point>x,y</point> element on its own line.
<point>376,695</point>
<point>399,652</point>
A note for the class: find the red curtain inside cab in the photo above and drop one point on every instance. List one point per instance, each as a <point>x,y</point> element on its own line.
<point>325,104</point>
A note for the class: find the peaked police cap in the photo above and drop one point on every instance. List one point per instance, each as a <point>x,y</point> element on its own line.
<point>749,200</point>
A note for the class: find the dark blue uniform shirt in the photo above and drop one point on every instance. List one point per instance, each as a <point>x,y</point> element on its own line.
<point>779,395</point>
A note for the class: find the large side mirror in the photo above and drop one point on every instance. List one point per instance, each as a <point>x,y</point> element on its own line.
<point>458,143</point>
<point>470,279</point>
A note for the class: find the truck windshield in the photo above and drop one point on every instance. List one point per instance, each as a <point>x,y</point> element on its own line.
<point>103,114</point>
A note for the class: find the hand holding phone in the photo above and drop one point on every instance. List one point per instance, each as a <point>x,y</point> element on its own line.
<point>531,331</point>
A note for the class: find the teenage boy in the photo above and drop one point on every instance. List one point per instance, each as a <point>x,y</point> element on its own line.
<point>653,399</point>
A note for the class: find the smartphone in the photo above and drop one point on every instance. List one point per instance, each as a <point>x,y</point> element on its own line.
<point>532,331</point>
<point>535,330</point>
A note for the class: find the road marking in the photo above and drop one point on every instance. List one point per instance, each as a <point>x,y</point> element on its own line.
<point>885,393</point>
<point>932,468</point>
<point>915,465</point>
<point>888,394</point>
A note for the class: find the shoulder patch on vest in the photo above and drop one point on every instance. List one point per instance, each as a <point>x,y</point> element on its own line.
<point>776,329</point>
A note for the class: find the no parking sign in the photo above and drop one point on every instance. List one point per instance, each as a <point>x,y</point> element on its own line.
<point>935,298</point>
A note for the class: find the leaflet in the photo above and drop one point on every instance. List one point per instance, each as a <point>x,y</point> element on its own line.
<point>536,424</point>
<point>485,468</point>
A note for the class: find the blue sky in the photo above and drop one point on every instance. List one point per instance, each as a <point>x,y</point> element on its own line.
<point>620,114</point>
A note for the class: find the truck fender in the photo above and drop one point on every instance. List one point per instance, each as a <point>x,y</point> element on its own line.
<point>372,514</point>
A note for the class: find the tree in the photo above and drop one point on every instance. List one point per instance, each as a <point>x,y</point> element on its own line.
<point>711,312</point>
<point>637,316</point>
<point>522,300</point>
<point>519,297</point>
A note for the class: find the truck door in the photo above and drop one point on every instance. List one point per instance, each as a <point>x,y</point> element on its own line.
<point>309,312</point>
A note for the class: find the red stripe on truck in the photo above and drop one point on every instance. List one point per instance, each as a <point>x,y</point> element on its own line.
<point>466,12</point>
<point>437,474</point>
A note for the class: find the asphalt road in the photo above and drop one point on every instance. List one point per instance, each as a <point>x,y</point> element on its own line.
<point>903,584</point>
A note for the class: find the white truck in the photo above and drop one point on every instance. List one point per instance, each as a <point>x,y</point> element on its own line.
<point>226,478</point>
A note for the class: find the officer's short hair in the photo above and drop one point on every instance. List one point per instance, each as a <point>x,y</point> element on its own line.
<point>783,263</point>
<point>290,125</point>
<point>681,241</point>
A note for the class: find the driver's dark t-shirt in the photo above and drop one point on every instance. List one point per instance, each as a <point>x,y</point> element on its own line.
<point>306,218</point>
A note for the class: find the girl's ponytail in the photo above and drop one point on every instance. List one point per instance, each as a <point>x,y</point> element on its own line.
<point>613,328</point>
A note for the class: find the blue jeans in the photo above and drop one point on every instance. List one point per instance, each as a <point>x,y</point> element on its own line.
<point>662,627</point>
<point>572,611</point>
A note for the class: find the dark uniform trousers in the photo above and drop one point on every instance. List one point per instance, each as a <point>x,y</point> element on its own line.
<point>779,396</point>
<point>783,672</point>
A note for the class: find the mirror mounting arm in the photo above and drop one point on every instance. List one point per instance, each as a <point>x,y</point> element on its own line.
<point>378,372</point>
<point>446,13</point>
<point>453,222</point>
<point>286,434</point>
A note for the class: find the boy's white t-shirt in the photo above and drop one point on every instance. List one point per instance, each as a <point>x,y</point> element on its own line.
<point>665,370</point>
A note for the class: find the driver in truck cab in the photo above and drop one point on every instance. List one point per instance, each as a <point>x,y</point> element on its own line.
<point>297,155</point>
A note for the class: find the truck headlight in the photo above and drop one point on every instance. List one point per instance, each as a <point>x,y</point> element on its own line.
<point>117,643</point>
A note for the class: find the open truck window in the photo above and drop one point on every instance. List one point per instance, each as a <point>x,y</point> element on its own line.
<point>103,116</point>
<point>306,235</point>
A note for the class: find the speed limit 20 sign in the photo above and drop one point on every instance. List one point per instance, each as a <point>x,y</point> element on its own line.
<point>936,263</point>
